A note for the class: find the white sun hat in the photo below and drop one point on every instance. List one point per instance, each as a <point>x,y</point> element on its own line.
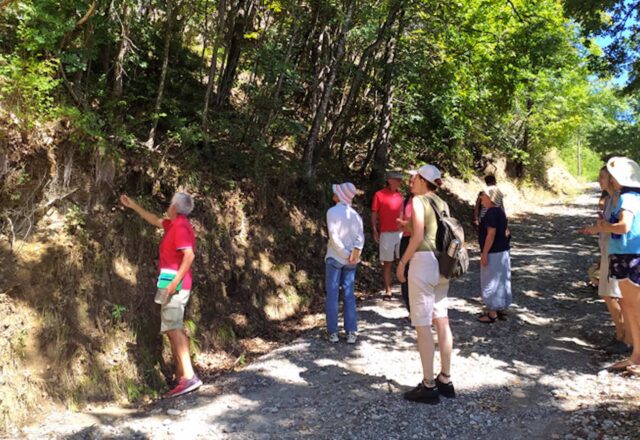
<point>625,171</point>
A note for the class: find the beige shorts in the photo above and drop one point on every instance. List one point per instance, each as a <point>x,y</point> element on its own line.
<point>172,313</point>
<point>390,246</point>
<point>427,289</point>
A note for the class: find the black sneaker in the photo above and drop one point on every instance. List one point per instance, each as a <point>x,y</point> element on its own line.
<point>423,394</point>
<point>446,389</point>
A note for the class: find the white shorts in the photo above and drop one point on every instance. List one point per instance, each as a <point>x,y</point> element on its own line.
<point>390,246</point>
<point>607,287</point>
<point>427,289</point>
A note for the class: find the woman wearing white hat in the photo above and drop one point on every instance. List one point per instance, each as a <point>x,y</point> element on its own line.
<point>346,240</point>
<point>427,288</point>
<point>624,248</point>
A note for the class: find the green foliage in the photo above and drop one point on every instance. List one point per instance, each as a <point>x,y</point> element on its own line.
<point>469,78</point>
<point>26,86</point>
<point>590,162</point>
<point>75,219</point>
<point>117,312</point>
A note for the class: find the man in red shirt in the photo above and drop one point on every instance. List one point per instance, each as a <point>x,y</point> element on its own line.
<point>385,210</point>
<point>176,256</point>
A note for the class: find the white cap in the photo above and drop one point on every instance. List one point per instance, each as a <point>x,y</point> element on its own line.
<point>625,171</point>
<point>429,173</point>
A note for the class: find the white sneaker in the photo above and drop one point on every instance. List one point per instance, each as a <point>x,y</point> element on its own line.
<point>333,337</point>
<point>351,337</point>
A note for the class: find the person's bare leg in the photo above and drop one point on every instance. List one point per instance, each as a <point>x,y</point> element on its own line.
<point>445,345</point>
<point>631,296</point>
<point>626,321</point>
<point>426,348</point>
<point>616,315</point>
<point>176,360</point>
<point>387,266</point>
<point>180,343</point>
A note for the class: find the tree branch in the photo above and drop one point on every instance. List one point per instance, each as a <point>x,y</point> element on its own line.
<point>515,10</point>
<point>87,16</point>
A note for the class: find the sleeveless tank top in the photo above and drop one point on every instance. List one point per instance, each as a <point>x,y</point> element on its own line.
<point>428,243</point>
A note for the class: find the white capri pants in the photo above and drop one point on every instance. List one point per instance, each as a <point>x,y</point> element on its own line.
<point>427,289</point>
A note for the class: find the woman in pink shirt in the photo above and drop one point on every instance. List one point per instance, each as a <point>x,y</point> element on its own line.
<point>404,226</point>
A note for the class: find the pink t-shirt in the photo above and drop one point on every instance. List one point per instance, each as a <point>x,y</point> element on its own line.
<point>388,205</point>
<point>408,209</point>
<point>178,236</point>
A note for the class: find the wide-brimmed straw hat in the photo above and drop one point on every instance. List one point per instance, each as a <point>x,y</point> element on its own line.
<point>625,171</point>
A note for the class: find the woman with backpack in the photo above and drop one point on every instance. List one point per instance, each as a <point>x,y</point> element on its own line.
<point>495,260</point>
<point>427,288</point>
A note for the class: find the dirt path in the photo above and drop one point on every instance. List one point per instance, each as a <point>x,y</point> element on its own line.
<point>534,376</point>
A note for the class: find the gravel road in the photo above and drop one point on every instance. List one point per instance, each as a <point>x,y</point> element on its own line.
<point>535,376</point>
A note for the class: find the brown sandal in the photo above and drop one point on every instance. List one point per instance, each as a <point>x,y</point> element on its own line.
<point>485,318</point>
<point>620,366</point>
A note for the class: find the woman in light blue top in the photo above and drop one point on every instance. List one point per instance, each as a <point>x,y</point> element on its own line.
<point>624,247</point>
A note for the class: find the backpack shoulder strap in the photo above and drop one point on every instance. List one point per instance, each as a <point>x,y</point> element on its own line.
<point>439,213</point>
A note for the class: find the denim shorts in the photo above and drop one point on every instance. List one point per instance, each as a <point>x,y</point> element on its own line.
<point>625,267</point>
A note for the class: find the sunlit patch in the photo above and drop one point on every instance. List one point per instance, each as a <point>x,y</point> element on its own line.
<point>533,319</point>
<point>125,270</point>
<point>281,371</point>
<point>576,341</point>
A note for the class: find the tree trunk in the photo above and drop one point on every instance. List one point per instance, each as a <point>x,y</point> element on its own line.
<point>243,19</point>
<point>163,76</point>
<point>123,49</point>
<point>381,145</point>
<point>275,98</point>
<point>318,120</point>
<point>214,61</point>
<point>346,113</point>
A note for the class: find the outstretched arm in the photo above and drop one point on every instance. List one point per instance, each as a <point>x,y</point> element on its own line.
<point>148,216</point>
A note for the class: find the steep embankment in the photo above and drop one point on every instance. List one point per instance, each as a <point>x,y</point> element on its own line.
<point>79,323</point>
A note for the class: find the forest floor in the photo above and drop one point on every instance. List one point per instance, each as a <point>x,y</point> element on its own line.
<point>537,375</point>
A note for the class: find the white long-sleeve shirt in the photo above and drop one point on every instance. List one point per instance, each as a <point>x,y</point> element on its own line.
<point>345,232</point>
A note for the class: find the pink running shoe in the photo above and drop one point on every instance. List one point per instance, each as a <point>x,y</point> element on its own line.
<point>184,386</point>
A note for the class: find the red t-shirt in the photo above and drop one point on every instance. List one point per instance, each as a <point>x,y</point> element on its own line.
<point>178,235</point>
<point>388,205</point>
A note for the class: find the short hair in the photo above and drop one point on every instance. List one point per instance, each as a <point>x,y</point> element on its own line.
<point>490,180</point>
<point>183,203</point>
<point>432,186</point>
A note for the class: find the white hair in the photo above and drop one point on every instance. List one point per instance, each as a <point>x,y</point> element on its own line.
<point>183,203</point>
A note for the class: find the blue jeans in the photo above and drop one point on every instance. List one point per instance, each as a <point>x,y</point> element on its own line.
<point>338,275</point>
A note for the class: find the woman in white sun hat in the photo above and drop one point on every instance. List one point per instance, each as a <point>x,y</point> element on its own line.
<point>624,248</point>
<point>346,240</point>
